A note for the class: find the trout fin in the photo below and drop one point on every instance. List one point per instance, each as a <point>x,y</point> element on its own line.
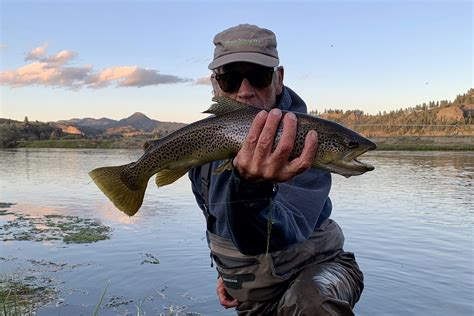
<point>225,105</point>
<point>226,165</point>
<point>147,145</point>
<point>126,197</point>
<point>168,176</point>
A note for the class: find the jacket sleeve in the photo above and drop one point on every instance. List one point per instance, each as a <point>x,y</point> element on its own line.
<point>196,186</point>
<point>293,208</point>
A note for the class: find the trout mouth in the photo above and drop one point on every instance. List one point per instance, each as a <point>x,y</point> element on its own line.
<point>348,165</point>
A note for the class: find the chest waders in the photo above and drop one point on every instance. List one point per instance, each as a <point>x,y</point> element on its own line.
<point>263,277</point>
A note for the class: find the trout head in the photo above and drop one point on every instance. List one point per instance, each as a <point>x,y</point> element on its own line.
<point>338,152</point>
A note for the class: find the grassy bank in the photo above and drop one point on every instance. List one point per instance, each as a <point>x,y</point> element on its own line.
<point>83,143</point>
<point>459,143</point>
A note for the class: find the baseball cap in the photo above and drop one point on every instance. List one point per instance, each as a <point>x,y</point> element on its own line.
<point>245,43</point>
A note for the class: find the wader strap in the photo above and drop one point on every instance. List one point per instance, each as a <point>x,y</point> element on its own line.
<point>205,185</point>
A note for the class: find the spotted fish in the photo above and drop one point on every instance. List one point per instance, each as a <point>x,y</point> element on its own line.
<point>220,137</point>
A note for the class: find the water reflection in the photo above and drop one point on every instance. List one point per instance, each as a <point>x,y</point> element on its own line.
<point>453,162</point>
<point>409,222</point>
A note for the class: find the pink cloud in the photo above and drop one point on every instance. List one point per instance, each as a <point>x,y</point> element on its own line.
<point>204,81</point>
<point>41,73</point>
<point>37,53</point>
<point>53,71</point>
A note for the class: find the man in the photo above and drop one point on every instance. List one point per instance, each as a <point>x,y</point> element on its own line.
<point>268,226</point>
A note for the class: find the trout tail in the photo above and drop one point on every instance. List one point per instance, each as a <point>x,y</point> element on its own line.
<point>124,190</point>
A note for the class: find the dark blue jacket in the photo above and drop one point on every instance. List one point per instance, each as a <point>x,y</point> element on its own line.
<point>239,209</point>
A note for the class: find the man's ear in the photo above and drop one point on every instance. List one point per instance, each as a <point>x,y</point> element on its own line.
<point>215,87</point>
<point>279,77</point>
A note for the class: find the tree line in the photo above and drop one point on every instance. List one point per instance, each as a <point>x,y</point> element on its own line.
<point>11,132</point>
<point>422,119</point>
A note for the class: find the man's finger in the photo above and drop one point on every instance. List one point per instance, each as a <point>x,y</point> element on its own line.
<point>287,139</point>
<point>226,301</point>
<point>224,298</point>
<point>267,136</point>
<point>230,303</point>
<point>255,131</point>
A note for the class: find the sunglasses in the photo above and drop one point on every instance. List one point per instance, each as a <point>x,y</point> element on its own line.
<point>230,81</point>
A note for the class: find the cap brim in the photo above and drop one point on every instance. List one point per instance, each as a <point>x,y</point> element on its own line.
<point>255,58</point>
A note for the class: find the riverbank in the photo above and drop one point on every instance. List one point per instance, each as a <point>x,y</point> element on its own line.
<point>84,143</point>
<point>455,143</point>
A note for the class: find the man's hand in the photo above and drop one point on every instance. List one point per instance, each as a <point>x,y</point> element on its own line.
<point>224,298</point>
<point>256,161</point>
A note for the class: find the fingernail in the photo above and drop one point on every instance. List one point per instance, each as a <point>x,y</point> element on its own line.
<point>313,134</point>
<point>275,112</point>
<point>262,113</point>
<point>291,116</point>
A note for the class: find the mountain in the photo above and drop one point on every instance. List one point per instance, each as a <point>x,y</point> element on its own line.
<point>89,122</point>
<point>137,123</point>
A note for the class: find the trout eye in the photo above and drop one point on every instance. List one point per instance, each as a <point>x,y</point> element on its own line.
<point>352,145</point>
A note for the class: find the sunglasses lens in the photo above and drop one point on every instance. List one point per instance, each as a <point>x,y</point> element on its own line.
<point>230,81</point>
<point>260,79</point>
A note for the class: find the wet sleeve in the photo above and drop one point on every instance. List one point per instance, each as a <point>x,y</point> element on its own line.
<point>293,209</point>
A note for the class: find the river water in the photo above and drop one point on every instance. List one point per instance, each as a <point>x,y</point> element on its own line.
<point>409,222</point>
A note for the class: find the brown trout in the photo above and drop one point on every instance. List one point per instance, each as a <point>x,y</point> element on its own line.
<point>220,137</point>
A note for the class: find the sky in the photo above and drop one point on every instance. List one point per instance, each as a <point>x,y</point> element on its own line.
<point>75,59</point>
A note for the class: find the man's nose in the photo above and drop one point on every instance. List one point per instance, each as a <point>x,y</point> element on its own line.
<point>246,90</point>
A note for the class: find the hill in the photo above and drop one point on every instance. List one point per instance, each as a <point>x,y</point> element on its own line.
<point>137,126</point>
<point>436,118</point>
<point>137,123</point>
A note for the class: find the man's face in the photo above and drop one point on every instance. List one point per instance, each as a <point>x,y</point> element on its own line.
<point>261,97</point>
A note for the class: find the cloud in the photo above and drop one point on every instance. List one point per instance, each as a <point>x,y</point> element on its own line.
<point>196,60</point>
<point>206,81</point>
<point>304,76</point>
<point>3,46</point>
<point>42,73</point>
<point>53,71</point>
<point>131,76</point>
<point>37,53</point>
<point>61,58</point>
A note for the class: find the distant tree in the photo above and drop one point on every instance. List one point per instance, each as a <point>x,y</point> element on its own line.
<point>9,135</point>
<point>57,133</point>
<point>25,121</point>
<point>35,131</point>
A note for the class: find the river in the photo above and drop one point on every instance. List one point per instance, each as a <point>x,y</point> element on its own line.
<point>409,222</point>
